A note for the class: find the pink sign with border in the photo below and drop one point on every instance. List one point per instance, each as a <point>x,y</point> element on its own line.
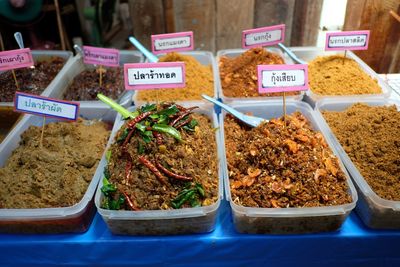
<point>141,76</point>
<point>100,56</point>
<point>172,42</point>
<point>282,78</point>
<point>16,59</point>
<point>265,36</point>
<point>45,106</point>
<point>347,40</point>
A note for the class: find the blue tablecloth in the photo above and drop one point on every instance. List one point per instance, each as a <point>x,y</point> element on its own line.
<point>353,245</point>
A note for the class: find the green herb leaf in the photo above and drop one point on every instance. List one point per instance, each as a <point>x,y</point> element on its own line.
<point>200,189</point>
<point>168,130</point>
<point>148,107</point>
<point>123,135</point>
<point>140,148</point>
<point>154,116</point>
<point>140,127</point>
<point>187,196</point>
<point>106,172</point>
<point>191,125</point>
<point>172,110</point>
<point>108,155</point>
<point>108,189</point>
<point>163,119</point>
<point>116,204</point>
<point>146,139</point>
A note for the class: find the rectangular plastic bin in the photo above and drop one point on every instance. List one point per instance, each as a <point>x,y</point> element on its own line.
<point>309,53</point>
<point>233,53</point>
<point>205,58</point>
<point>45,55</point>
<point>77,66</point>
<point>162,222</point>
<point>373,210</point>
<point>73,219</point>
<point>285,220</point>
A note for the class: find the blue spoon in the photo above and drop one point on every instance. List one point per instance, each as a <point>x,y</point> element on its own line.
<point>146,53</point>
<point>250,120</point>
<point>291,54</point>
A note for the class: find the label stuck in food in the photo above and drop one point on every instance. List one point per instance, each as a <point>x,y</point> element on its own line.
<point>282,78</point>
<point>265,36</point>
<point>44,106</point>
<point>347,40</point>
<point>101,56</point>
<point>172,42</point>
<point>16,59</point>
<point>139,76</point>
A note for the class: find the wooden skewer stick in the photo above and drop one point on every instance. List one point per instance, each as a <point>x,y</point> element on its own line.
<point>284,109</point>
<point>395,15</point>
<point>345,52</point>
<point>101,76</point>
<point>42,134</point>
<point>15,79</point>
<point>59,24</point>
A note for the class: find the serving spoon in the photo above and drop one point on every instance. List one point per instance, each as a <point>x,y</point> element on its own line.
<point>249,120</point>
<point>291,54</point>
<point>150,56</point>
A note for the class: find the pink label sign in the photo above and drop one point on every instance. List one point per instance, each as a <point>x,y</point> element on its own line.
<point>44,106</point>
<point>282,78</point>
<point>15,59</point>
<point>265,36</point>
<point>139,76</point>
<point>348,40</point>
<point>172,42</point>
<point>101,56</point>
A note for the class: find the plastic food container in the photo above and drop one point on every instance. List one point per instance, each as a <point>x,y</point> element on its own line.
<point>44,55</point>
<point>161,222</point>
<point>310,53</point>
<point>233,53</point>
<point>285,220</point>
<point>73,219</point>
<point>204,58</point>
<point>77,66</point>
<point>373,210</point>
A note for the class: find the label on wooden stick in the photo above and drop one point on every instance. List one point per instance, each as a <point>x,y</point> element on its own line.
<point>172,42</point>
<point>282,78</point>
<point>44,106</point>
<point>101,56</point>
<point>16,59</point>
<point>265,36</point>
<point>347,40</point>
<point>139,76</point>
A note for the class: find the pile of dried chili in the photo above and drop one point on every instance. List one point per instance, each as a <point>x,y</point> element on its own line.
<point>163,158</point>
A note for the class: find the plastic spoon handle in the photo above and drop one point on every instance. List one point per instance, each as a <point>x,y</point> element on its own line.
<point>78,49</point>
<point>19,39</point>
<point>250,120</point>
<point>291,54</point>
<point>147,53</point>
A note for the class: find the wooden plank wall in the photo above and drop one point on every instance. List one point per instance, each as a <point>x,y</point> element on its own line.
<point>383,54</point>
<point>218,24</point>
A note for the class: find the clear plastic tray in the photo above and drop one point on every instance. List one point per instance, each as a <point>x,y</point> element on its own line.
<point>285,220</point>
<point>205,58</point>
<point>162,222</point>
<point>76,218</point>
<point>309,53</point>
<point>43,55</point>
<point>77,66</point>
<point>373,210</point>
<point>233,53</point>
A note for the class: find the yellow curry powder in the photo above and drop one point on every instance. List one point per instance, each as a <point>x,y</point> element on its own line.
<point>336,75</point>
<point>199,80</point>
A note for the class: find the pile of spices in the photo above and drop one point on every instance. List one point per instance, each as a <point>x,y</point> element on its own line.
<point>370,135</point>
<point>199,80</point>
<point>336,75</point>
<point>56,174</point>
<point>164,158</point>
<point>275,167</point>
<point>33,80</point>
<point>86,85</point>
<point>239,74</point>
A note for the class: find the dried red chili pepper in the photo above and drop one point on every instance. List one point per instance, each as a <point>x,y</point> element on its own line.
<point>128,137</point>
<point>171,174</point>
<point>183,123</point>
<point>153,169</point>
<point>130,202</point>
<point>128,169</point>
<point>159,137</point>
<point>139,118</point>
<point>182,115</point>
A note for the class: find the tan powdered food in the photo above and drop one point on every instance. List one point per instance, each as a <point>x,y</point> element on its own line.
<point>199,80</point>
<point>56,175</point>
<point>371,138</point>
<point>335,75</point>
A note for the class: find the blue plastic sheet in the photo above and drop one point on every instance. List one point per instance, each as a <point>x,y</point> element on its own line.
<point>352,245</point>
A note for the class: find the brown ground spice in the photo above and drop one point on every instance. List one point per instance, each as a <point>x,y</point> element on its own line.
<point>86,85</point>
<point>199,80</point>
<point>371,137</point>
<point>273,167</point>
<point>239,74</point>
<point>336,75</point>
<point>30,80</point>
<point>8,119</point>
<point>195,156</point>
<point>58,174</point>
